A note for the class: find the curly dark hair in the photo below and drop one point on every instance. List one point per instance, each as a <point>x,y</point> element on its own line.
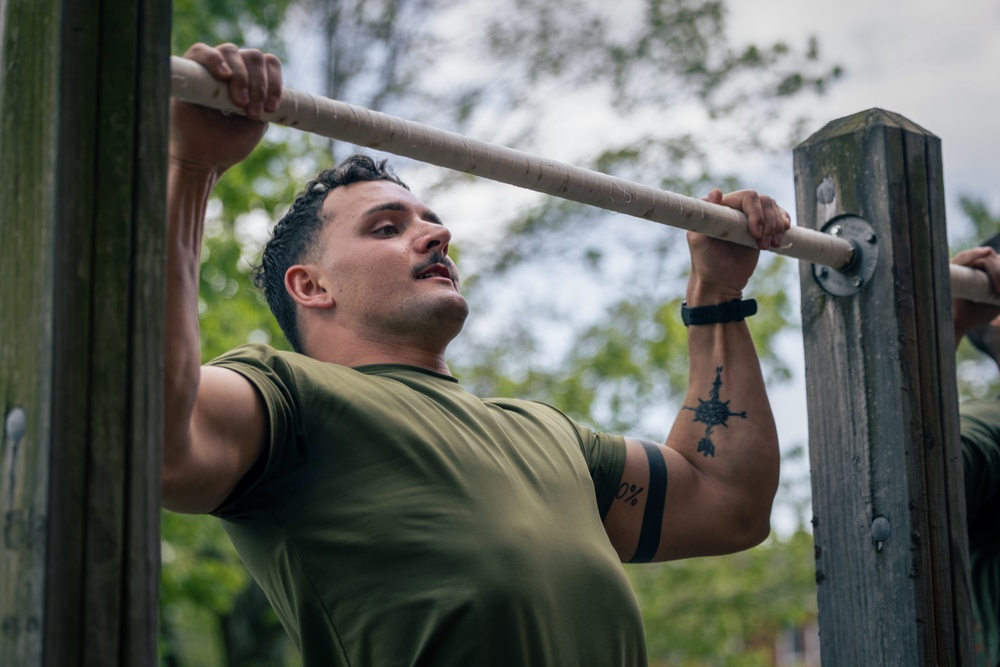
<point>298,231</point>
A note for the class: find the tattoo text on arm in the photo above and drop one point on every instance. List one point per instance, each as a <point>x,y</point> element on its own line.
<point>629,493</point>
<point>712,413</point>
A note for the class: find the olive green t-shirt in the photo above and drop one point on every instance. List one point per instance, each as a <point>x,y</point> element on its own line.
<point>980,423</point>
<point>396,519</point>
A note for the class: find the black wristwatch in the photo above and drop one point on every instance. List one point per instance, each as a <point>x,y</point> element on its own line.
<point>729,311</point>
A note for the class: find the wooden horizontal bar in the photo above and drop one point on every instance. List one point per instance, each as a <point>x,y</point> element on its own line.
<point>363,127</point>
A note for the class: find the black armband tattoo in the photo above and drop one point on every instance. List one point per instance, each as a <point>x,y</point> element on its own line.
<point>712,413</point>
<point>652,516</point>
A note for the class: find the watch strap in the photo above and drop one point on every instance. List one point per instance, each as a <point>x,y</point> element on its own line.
<point>728,311</point>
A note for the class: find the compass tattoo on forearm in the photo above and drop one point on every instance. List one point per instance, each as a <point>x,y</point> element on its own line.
<point>712,413</point>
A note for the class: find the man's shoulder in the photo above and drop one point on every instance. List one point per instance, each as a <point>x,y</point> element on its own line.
<point>540,412</point>
<point>266,357</point>
<point>265,365</point>
<point>256,353</point>
<point>523,405</point>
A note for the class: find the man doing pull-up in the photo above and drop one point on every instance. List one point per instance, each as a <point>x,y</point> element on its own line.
<point>391,517</point>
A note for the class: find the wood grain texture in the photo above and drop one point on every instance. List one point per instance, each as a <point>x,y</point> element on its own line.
<point>91,218</point>
<point>28,92</point>
<point>880,382</point>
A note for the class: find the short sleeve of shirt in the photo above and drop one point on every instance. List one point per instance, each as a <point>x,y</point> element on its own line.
<point>275,382</point>
<point>606,459</point>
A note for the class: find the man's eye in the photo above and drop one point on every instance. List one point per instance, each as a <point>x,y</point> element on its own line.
<point>386,230</point>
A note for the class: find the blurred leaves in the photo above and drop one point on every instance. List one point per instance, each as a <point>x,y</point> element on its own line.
<point>725,611</point>
<point>251,22</point>
<point>200,564</point>
<point>640,49</point>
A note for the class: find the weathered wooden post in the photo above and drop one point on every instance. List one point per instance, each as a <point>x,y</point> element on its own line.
<point>891,553</point>
<point>83,120</point>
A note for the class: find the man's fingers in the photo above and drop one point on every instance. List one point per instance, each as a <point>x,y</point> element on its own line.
<point>257,84</point>
<point>749,202</point>
<point>239,83</point>
<point>983,258</point>
<point>254,76</point>
<point>990,263</point>
<point>972,255</point>
<point>273,68</point>
<point>211,59</point>
<point>766,221</point>
<point>776,223</point>
<point>263,81</point>
<point>714,196</point>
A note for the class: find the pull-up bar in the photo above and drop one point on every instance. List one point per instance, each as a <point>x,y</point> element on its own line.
<point>338,120</point>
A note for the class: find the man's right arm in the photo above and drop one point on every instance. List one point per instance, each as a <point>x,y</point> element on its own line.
<point>215,420</point>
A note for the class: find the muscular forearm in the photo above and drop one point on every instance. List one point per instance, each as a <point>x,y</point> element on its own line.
<point>725,428</point>
<point>188,190</point>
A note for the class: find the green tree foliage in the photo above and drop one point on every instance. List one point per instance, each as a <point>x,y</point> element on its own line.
<point>578,308</point>
<point>742,600</point>
<point>201,577</point>
<point>253,22</point>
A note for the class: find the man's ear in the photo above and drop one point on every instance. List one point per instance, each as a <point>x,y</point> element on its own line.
<point>306,286</point>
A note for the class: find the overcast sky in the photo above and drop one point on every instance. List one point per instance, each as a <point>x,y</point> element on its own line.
<point>937,64</point>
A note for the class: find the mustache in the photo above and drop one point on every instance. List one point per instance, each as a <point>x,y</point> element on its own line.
<point>442,259</point>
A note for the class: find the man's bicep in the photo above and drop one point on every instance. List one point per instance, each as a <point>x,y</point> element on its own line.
<point>227,434</point>
<point>657,513</point>
<point>631,522</point>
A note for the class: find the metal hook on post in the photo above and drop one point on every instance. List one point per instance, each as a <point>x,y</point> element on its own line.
<point>853,276</point>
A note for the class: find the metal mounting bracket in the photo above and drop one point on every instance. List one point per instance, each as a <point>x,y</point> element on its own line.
<point>850,279</point>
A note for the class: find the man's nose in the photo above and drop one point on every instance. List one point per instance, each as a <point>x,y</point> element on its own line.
<point>434,237</point>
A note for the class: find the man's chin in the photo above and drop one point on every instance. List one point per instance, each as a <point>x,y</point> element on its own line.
<point>456,313</point>
<point>458,309</point>
<point>448,309</point>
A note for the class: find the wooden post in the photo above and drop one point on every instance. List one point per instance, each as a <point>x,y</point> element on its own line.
<point>83,122</point>
<point>889,517</point>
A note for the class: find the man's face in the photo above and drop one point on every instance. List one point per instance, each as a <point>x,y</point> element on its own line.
<point>384,256</point>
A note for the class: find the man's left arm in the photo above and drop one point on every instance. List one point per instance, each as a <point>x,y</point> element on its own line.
<point>708,489</point>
